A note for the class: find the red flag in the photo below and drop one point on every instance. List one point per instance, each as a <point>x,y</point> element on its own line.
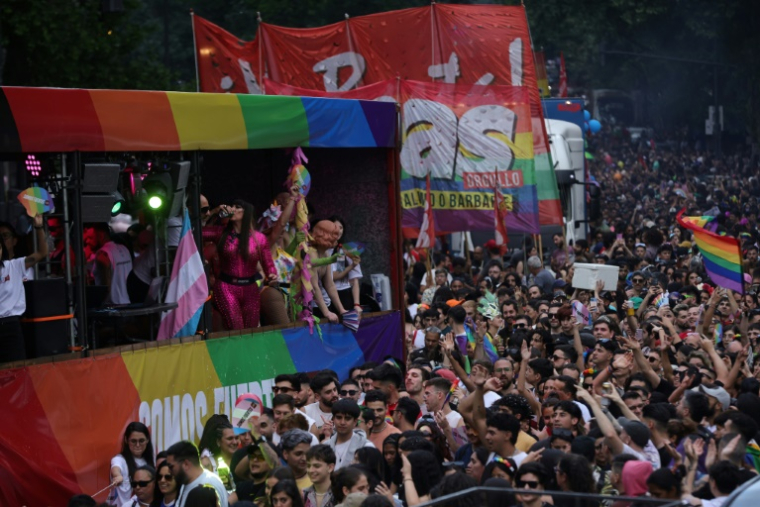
<point>500,216</point>
<point>562,76</point>
<point>426,238</point>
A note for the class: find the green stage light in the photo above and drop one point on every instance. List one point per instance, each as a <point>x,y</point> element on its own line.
<point>155,202</point>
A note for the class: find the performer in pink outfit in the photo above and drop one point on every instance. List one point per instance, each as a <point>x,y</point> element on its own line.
<point>241,249</point>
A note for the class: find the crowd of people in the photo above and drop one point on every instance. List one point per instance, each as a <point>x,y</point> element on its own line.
<point>513,378</point>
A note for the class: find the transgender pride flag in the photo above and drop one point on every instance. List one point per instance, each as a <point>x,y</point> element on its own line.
<point>187,287</point>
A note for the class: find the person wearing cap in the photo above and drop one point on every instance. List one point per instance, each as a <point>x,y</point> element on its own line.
<point>720,401</point>
<point>259,467</point>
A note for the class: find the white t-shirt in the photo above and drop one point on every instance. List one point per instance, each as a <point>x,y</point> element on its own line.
<point>490,398</point>
<point>316,415</point>
<point>454,418</point>
<point>340,265</point>
<point>12,294</point>
<point>122,493</point>
<point>206,477</point>
<point>584,410</point>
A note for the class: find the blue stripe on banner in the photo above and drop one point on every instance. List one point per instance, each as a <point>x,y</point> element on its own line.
<point>337,123</point>
<point>338,350</point>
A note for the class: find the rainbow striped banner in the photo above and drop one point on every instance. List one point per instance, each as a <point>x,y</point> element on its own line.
<point>63,421</point>
<point>721,255</point>
<point>62,120</point>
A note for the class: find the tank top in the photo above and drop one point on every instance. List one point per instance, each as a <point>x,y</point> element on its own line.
<point>121,265</point>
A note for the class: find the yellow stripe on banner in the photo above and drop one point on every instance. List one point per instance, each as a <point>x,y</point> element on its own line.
<point>479,200</point>
<point>176,387</point>
<point>212,121</point>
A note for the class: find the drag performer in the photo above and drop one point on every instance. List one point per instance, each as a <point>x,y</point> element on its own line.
<point>241,249</point>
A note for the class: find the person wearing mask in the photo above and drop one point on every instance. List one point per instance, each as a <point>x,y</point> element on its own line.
<point>13,295</point>
<point>184,461</point>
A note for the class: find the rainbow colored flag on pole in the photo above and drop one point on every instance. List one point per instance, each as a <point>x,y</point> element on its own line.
<point>721,255</point>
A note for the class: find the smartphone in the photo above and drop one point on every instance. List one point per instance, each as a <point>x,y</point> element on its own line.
<point>619,236</point>
<point>639,335</point>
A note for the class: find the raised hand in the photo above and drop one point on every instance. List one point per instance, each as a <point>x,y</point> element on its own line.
<point>441,420</point>
<point>492,384</point>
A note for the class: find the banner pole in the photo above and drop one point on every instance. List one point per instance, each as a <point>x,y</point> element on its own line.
<point>261,57</point>
<point>195,53</point>
<point>432,36</point>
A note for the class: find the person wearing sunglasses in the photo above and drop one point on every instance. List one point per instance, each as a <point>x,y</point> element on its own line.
<point>350,389</point>
<point>167,486</point>
<point>531,476</point>
<point>143,486</point>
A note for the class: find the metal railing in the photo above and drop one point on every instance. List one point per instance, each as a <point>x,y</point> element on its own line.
<point>581,499</point>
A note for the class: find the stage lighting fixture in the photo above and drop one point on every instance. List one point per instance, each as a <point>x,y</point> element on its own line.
<point>101,199</point>
<point>33,165</point>
<point>157,187</point>
<point>118,203</point>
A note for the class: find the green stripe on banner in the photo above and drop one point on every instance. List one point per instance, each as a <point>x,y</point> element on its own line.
<point>528,168</point>
<point>274,122</point>
<point>545,179</point>
<point>250,358</point>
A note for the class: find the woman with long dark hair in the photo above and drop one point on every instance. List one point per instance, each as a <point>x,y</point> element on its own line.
<point>168,489</point>
<point>136,451</point>
<point>285,494</point>
<point>346,270</point>
<point>241,249</point>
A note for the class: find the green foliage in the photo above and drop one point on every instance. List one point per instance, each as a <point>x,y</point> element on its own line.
<point>71,43</point>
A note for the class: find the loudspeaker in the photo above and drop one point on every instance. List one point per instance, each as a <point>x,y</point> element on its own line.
<point>46,298</point>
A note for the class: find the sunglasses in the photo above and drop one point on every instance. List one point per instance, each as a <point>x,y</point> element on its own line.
<point>142,441</point>
<point>141,484</point>
<point>348,392</point>
<point>652,359</point>
<point>205,209</point>
<point>527,484</point>
<point>167,477</point>
<point>283,390</point>
<point>637,280</point>
<point>520,326</point>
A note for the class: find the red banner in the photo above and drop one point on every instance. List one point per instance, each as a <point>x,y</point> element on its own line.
<point>440,44</point>
<point>463,44</point>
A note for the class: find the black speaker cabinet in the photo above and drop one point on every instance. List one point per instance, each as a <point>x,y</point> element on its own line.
<point>46,298</point>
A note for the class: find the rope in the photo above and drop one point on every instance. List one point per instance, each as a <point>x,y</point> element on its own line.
<point>48,319</point>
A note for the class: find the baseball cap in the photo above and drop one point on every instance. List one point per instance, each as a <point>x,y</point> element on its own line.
<point>447,374</point>
<point>638,431</point>
<point>716,392</point>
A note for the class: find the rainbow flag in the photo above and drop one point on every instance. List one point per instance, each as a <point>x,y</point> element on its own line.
<point>491,352</point>
<point>705,222</point>
<point>721,254</point>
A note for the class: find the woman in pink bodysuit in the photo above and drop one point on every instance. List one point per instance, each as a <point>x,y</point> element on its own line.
<point>241,249</point>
